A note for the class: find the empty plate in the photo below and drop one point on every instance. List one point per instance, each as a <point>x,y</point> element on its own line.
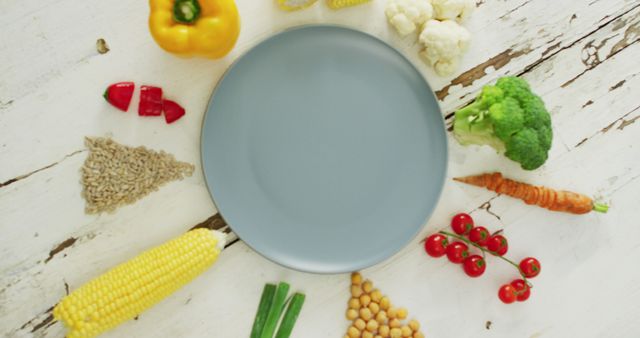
<point>324,149</point>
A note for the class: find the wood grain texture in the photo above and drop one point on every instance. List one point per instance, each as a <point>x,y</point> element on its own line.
<point>581,56</point>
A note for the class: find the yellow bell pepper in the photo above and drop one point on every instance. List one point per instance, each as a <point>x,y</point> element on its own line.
<point>207,28</point>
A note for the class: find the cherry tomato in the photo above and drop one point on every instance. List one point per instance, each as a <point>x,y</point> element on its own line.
<point>507,294</point>
<point>461,224</point>
<point>436,245</point>
<point>498,244</point>
<point>457,252</point>
<point>479,235</point>
<point>474,266</point>
<point>522,289</point>
<point>530,267</point>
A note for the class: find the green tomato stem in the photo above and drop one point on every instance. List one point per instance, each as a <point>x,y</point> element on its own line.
<point>468,242</point>
<point>600,207</point>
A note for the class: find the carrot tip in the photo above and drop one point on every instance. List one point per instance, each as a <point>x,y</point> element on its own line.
<point>598,207</point>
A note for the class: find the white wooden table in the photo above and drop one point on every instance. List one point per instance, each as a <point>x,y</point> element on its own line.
<point>582,56</point>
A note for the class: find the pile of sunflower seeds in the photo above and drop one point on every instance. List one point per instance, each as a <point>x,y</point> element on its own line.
<point>114,175</point>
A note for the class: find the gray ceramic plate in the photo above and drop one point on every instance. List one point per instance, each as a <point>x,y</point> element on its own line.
<point>324,149</point>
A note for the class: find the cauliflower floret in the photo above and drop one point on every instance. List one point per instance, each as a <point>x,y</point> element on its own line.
<point>407,15</point>
<point>445,42</point>
<point>452,9</point>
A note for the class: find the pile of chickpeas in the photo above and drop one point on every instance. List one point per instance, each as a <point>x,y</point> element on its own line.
<point>373,316</point>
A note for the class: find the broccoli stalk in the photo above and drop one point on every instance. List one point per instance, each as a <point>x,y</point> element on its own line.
<point>511,119</point>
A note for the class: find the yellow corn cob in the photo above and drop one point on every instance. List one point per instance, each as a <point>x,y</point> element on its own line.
<point>134,286</point>
<point>337,4</point>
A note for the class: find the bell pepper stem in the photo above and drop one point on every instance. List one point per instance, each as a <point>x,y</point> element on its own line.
<point>186,11</point>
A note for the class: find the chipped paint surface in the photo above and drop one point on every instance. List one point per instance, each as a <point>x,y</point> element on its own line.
<point>582,59</point>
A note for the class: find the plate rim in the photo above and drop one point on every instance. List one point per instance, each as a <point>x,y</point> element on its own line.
<point>429,213</point>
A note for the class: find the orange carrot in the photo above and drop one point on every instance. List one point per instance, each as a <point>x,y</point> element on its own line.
<point>556,200</point>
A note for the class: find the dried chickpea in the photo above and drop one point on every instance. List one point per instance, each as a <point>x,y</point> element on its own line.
<point>372,325</point>
<point>377,336</point>
<point>385,303</point>
<point>376,295</point>
<point>365,300</point>
<point>367,286</point>
<point>354,303</point>
<point>346,336</point>
<point>356,291</point>
<point>418,335</point>
<point>374,307</point>
<point>365,314</point>
<point>394,323</point>
<point>352,332</point>
<point>414,325</point>
<point>401,313</point>
<point>381,317</point>
<point>367,334</point>
<point>392,313</point>
<point>395,333</point>
<point>352,314</point>
<point>383,330</point>
<point>360,324</point>
<point>356,278</point>
<point>406,331</point>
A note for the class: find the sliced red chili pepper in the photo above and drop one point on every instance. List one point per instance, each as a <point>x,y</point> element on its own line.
<point>119,94</point>
<point>172,111</point>
<point>150,101</point>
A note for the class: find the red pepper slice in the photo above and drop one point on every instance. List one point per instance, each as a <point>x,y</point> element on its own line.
<point>119,95</point>
<point>172,111</point>
<point>150,101</point>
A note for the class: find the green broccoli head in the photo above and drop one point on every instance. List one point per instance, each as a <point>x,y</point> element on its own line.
<point>511,119</point>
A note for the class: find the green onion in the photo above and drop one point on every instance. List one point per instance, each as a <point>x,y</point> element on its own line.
<point>275,311</point>
<point>290,316</point>
<point>263,310</point>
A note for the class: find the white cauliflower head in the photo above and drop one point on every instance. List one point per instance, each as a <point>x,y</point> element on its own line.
<point>445,42</point>
<point>452,9</point>
<point>407,15</point>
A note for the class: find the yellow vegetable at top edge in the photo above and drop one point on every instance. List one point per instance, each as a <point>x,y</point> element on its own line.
<point>207,28</point>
